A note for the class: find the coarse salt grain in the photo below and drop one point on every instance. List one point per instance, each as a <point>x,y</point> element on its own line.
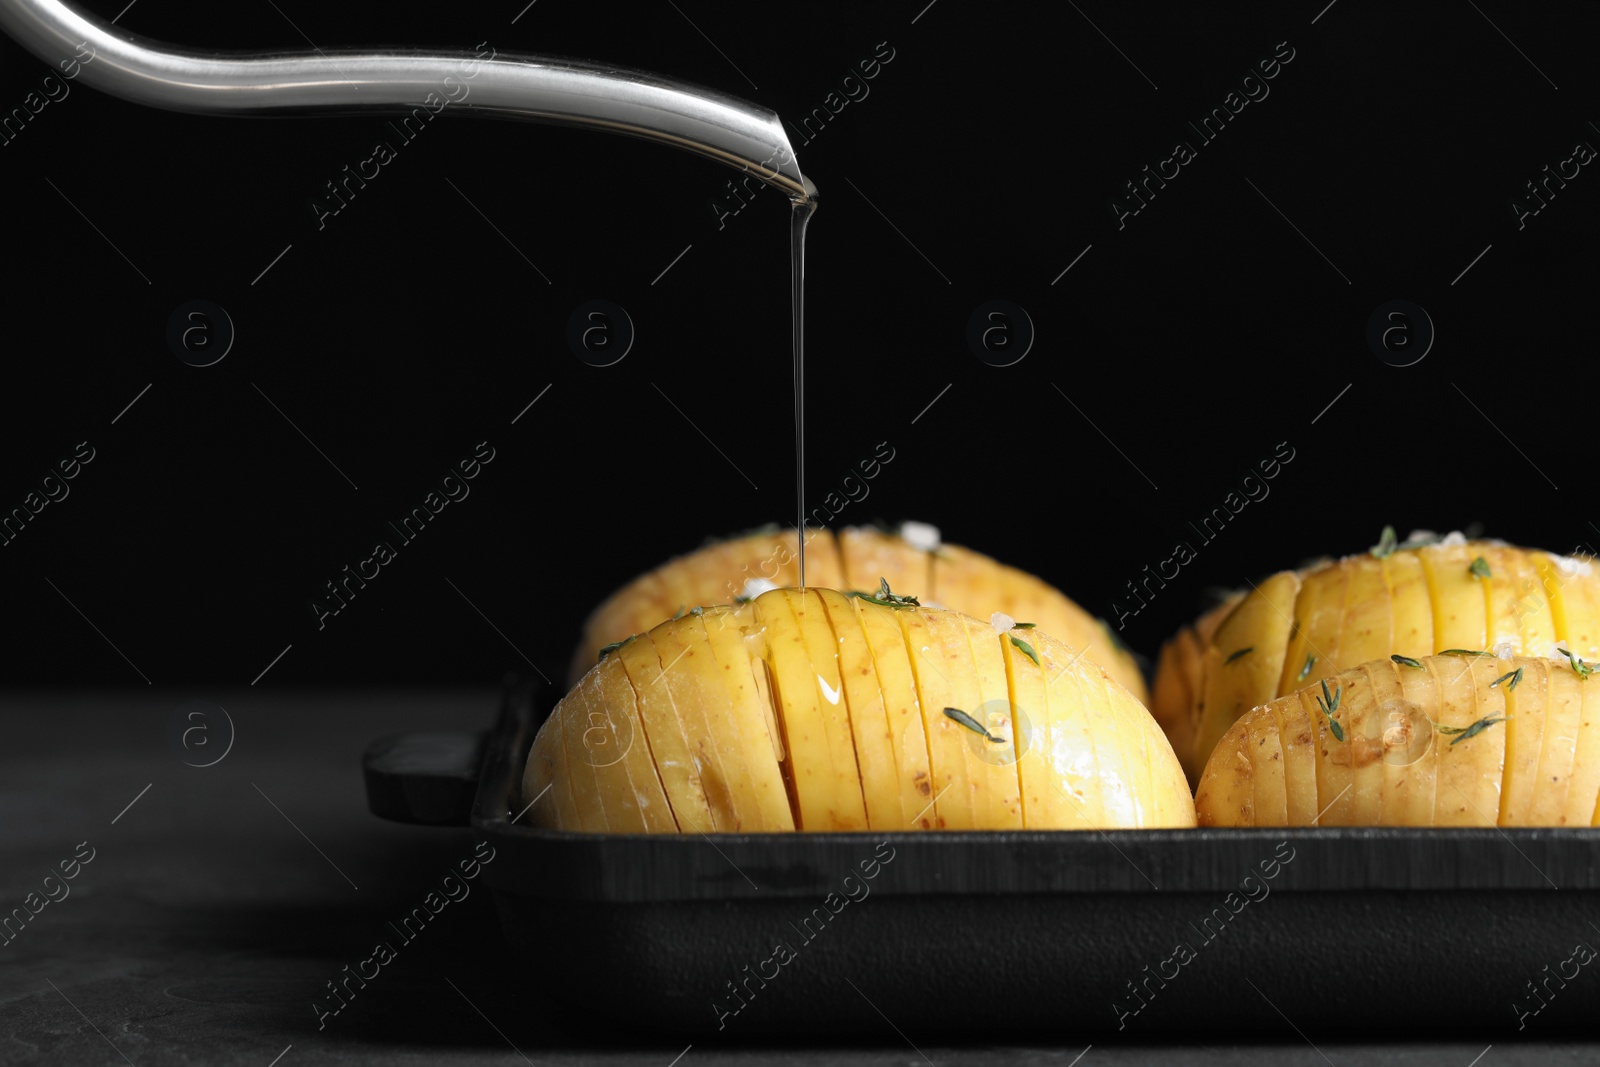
<point>921,535</point>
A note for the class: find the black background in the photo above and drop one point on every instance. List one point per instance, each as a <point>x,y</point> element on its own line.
<point>1196,338</point>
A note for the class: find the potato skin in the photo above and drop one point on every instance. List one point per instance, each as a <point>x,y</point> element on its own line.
<point>1413,602</point>
<point>716,714</point>
<point>951,576</point>
<point>1458,740</point>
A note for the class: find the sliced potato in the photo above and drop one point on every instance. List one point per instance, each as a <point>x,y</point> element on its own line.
<point>813,710</point>
<point>857,558</point>
<point>821,746</point>
<point>1459,740</point>
<point>908,738</point>
<point>1411,602</point>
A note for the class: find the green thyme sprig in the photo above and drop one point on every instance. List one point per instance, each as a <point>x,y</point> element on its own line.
<point>606,650</point>
<point>972,724</point>
<point>1580,668</point>
<point>1515,676</point>
<point>1469,731</point>
<point>1023,625</point>
<point>1480,567</point>
<point>1330,704</point>
<point>1242,652</point>
<point>884,598</point>
<point>1387,543</point>
<point>1406,661</point>
<point>1305,671</point>
<point>1464,652</point>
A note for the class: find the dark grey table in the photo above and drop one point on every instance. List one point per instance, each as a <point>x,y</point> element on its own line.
<point>220,900</point>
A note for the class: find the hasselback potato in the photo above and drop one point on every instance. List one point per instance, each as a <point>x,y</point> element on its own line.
<point>1468,739</point>
<point>856,559</point>
<point>1295,628</point>
<point>818,710</point>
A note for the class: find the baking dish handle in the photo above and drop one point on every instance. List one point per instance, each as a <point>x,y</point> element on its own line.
<point>428,779</point>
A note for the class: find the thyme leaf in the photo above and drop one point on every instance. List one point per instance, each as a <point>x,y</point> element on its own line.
<point>1480,567</point>
<point>1027,650</point>
<point>884,598</point>
<point>1387,543</point>
<point>1311,659</point>
<point>1406,661</point>
<point>1243,651</point>
<point>1515,676</point>
<point>1580,668</point>
<point>972,724</point>
<point>1329,705</point>
<point>1469,731</point>
<point>606,650</point>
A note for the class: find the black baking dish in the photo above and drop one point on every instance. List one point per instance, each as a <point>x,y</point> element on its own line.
<point>1330,930</point>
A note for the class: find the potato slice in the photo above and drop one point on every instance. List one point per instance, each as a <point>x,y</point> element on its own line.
<point>998,715</point>
<point>805,666</point>
<point>1410,606</point>
<point>1335,778</point>
<point>1121,766</point>
<point>1411,745</point>
<point>1553,689</point>
<point>1244,660</point>
<point>667,736</point>
<point>869,723</point>
<point>557,810</point>
<point>1297,742</point>
<point>1370,693</point>
<point>1574,597</point>
<point>1524,741</point>
<point>613,808</point>
<point>756,741</point>
<point>947,745</point>
<point>613,740</point>
<point>1460,614</point>
<point>1583,792</point>
<point>1472,771</point>
<point>1271,799</point>
<point>1313,651</point>
<point>1227,792</point>
<point>1519,615</point>
<point>908,740</point>
<point>689,673</point>
<point>1366,629</point>
<point>1056,765</point>
<point>951,655</point>
<point>544,772</point>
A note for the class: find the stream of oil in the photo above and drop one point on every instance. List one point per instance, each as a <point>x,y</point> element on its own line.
<point>801,214</point>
